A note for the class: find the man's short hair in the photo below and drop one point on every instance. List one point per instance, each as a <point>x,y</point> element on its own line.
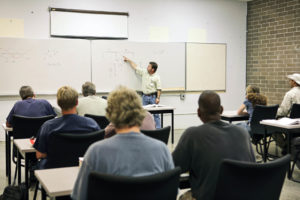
<point>124,108</point>
<point>67,97</point>
<point>209,102</point>
<point>153,65</point>
<point>25,92</point>
<point>88,88</point>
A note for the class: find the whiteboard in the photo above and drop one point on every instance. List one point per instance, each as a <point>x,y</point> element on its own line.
<point>76,24</point>
<point>46,65</point>
<point>205,66</point>
<point>109,69</point>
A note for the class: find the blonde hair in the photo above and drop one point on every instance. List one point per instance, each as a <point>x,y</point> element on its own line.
<point>124,108</point>
<point>67,97</point>
<point>252,89</point>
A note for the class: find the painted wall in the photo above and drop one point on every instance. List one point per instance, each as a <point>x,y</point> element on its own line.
<point>210,21</point>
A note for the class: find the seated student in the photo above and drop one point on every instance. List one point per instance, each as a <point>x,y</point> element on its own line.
<point>291,97</point>
<point>201,149</point>
<point>246,107</point>
<point>129,153</point>
<point>253,99</point>
<point>90,103</point>
<point>70,122</point>
<point>29,106</point>
<point>147,124</point>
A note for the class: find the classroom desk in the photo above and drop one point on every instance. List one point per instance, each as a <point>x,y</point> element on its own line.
<point>280,128</point>
<point>161,110</point>
<point>25,149</point>
<point>232,116</point>
<point>58,181</point>
<point>8,135</point>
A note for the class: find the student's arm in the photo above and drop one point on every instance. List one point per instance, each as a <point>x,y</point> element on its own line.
<point>157,100</point>
<point>40,155</point>
<point>131,63</point>
<point>241,110</point>
<point>182,155</point>
<point>285,106</point>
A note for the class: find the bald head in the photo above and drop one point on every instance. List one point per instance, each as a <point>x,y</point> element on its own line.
<point>209,106</point>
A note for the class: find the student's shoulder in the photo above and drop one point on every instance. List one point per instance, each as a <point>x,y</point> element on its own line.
<point>192,132</point>
<point>43,101</point>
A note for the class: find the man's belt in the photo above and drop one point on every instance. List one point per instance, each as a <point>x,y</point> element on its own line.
<point>153,93</point>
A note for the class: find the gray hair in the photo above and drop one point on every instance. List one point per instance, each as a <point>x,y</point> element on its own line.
<point>88,88</point>
<point>25,92</point>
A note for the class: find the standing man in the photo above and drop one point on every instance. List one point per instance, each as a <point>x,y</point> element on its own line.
<point>291,97</point>
<point>151,85</point>
<point>201,149</point>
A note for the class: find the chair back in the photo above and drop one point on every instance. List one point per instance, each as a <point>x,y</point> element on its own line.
<point>101,120</point>
<point>159,134</point>
<point>261,112</point>
<point>159,186</point>
<point>27,127</point>
<point>64,149</point>
<point>295,111</point>
<point>244,180</point>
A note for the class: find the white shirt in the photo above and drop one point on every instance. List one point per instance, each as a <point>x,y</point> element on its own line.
<point>91,105</point>
<point>150,82</point>
<point>291,97</point>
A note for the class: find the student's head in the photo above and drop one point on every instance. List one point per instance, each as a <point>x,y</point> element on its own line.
<point>88,88</point>
<point>152,67</point>
<point>294,80</point>
<point>252,89</point>
<point>26,92</point>
<point>257,99</point>
<point>67,98</point>
<point>124,108</point>
<point>209,106</point>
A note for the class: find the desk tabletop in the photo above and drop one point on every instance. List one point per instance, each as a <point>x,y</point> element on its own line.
<point>6,128</point>
<point>233,116</point>
<point>276,123</point>
<point>154,107</point>
<point>57,181</point>
<point>24,146</point>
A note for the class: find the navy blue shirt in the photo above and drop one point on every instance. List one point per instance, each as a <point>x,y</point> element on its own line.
<point>31,108</point>
<point>66,124</point>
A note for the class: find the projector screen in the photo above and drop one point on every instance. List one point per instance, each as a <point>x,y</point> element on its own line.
<point>88,24</point>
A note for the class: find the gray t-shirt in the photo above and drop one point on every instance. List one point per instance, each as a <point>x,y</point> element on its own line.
<point>201,149</point>
<point>129,154</point>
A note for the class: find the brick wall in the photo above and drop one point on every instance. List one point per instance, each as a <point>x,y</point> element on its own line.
<point>273,45</point>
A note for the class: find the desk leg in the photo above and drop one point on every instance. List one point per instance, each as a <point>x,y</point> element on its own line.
<point>19,167</point>
<point>6,153</point>
<point>172,118</point>
<point>289,151</point>
<point>44,196</point>
<point>9,157</point>
<point>161,120</point>
<point>265,146</point>
<point>26,175</point>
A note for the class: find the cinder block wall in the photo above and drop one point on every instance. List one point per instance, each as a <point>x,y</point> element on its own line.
<point>273,45</point>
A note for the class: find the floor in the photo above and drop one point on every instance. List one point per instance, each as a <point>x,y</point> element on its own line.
<point>290,190</point>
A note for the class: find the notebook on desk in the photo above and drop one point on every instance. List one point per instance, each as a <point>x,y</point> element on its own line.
<point>284,121</point>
